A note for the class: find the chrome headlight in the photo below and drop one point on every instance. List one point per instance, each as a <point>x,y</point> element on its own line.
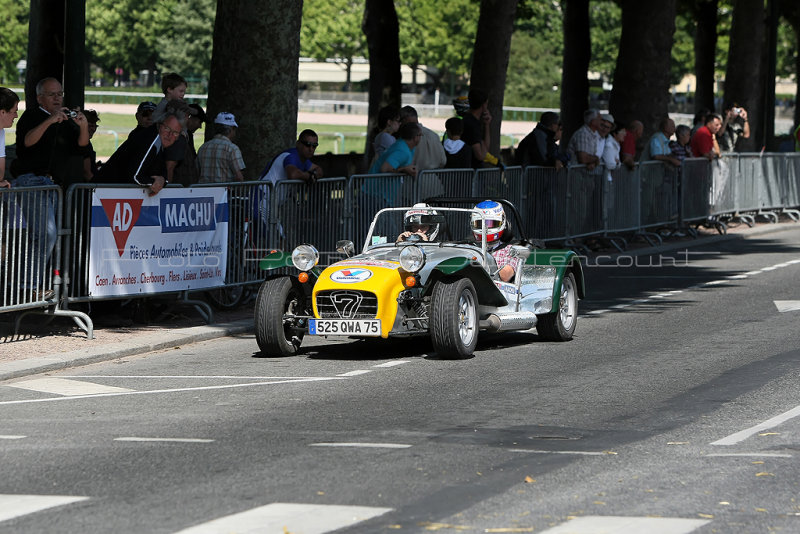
<point>304,257</point>
<point>412,258</point>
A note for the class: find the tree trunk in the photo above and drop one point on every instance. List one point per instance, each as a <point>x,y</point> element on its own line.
<point>744,77</point>
<point>45,45</point>
<point>641,77</point>
<point>381,29</point>
<point>577,52</point>
<point>705,46</point>
<point>254,69</point>
<point>490,58</point>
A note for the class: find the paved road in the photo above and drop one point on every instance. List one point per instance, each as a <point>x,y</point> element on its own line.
<point>673,410</point>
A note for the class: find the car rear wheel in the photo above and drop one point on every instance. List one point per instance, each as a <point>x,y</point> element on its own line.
<point>275,336</point>
<point>560,325</point>
<point>454,318</point>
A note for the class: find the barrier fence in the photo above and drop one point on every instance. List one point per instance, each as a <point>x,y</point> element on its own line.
<point>37,224</point>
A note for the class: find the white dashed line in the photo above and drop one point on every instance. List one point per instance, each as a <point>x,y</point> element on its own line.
<point>595,524</point>
<point>12,506</point>
<point>735,438</point>
<point>13,437</point>
<point>289,517</point>
<point>391,364</point>
<point>363,445</point>
<point>576,453</point>
<point>356,373</point>
<point>174,440</point>
<point>752,454</point>
<point>61,386</point>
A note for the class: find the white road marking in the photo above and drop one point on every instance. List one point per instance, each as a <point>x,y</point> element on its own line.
<point>391,364</point>
<point>176,440</point>
<point>288,517</point>
<point>787,305</point>
<point>356,373</point>
<point>672,293</point>
<point>13,437</point>
<point>595,524</point>
<point>176,390</point>
<point>742,435</point>
<point>203,377</point>
<point>576,453</point>
<point>364,445</point>
<point>752,454</point>
<point>61,386</point>
<point>12,506</point>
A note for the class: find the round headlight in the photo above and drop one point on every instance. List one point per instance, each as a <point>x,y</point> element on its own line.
<point>304,257</point>
<point>412,258</point>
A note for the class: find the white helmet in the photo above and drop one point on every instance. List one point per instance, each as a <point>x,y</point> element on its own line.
<point>414,217</point>
<point>495,218</point>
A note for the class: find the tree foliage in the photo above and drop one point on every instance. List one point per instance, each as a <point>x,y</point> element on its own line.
<point>13,37</point>
<point>444,43</point>
<point>332,29</point>
<point>189,49</point>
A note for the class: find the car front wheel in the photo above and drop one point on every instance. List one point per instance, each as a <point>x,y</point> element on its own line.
<point>560,325</point>
<point>275,336</point>
<point>454,318</point>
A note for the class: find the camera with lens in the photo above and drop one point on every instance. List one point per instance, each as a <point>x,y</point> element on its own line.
<point>72,113</point>
<point>737,111</point>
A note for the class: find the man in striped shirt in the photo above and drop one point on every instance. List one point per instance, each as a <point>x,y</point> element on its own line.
<point>219,159</point>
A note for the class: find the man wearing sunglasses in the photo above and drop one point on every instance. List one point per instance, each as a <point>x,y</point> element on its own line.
<point>295,163</point>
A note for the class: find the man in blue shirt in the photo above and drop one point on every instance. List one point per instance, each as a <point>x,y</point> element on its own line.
<point>295,163</point>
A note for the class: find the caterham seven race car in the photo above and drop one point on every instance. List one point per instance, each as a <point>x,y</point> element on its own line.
<point>425,270</point>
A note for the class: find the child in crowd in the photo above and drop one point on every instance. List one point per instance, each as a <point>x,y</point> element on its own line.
<point>457,152</point>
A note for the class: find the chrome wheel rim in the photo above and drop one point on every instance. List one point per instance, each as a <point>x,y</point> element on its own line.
<point>568,306</point>
<point>466,317</point>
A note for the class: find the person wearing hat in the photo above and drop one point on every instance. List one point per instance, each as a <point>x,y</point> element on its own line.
<point>186,172</point>
<point>144,115</point>
<point>219,159</point>
<point>141,158</point>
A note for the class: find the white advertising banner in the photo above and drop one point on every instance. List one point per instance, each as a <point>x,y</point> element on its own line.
<point>174,241</point>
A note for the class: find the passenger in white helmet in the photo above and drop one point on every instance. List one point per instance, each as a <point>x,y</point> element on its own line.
<point>497,230</point>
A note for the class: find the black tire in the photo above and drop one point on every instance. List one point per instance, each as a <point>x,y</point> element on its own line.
<point>454,318</point>
<point>226,297</point>
<point>275,298</point>
<point>560,325</point>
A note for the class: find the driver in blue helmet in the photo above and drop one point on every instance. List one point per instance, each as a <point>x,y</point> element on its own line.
<point>497,236</point>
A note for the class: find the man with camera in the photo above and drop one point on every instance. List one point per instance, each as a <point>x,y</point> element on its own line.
<point>52,141</point>
<point>735,124</point>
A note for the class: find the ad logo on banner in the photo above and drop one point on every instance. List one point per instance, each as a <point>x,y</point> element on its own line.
<point>122,214</point>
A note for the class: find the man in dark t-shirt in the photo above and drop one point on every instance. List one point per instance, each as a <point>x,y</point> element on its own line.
<point>476,132</point>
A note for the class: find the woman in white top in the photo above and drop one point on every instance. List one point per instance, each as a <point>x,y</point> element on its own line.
<point>8,112</point>
<point>611,157</point>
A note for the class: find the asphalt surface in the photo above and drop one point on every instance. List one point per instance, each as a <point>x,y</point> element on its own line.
<point>43,345</point>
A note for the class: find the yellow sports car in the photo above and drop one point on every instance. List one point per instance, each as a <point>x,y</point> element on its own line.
<point>424,270</point>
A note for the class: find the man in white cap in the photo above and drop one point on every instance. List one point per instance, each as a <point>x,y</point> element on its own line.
<point>219,159</point>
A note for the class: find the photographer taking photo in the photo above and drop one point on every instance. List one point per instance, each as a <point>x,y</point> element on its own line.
<point>52,141</point>
<point>735,124</point>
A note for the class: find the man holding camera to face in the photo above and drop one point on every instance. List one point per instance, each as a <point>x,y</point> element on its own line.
<point>52,141</point>
<point>735,124</point>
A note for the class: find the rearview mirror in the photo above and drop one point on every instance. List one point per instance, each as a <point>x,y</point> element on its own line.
<point>346,247</point>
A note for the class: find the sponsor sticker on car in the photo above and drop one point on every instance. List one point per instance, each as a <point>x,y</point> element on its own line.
<point>352,275</point>
<point>344,327</point>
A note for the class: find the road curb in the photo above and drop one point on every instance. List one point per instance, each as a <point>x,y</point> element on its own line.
<point>161,340</point>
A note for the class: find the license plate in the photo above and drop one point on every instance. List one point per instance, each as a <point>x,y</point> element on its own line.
<point>344,327</point>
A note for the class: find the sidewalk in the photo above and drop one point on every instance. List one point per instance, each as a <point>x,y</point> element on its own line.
<point>43,346</point>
